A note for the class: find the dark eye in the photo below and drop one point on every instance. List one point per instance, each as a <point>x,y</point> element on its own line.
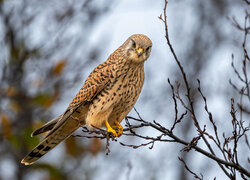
<point>133,43</point>
<point>148,48</point>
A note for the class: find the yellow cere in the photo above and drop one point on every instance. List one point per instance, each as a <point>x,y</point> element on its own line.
<point>140,50</point>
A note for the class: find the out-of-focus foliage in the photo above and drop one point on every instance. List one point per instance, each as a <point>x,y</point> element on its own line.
<point>43,52</point>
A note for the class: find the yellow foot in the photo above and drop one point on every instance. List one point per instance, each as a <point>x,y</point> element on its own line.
<point>109,129</point>
<point>119,128</point>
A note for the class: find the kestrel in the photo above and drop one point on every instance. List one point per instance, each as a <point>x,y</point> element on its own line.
<point>107,96</point>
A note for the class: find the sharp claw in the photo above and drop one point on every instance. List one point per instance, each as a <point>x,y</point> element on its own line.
<point>114,133</point>
<point>119,128</point>
<point>110,129</point>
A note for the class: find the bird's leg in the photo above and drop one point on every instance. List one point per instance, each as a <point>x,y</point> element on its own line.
<point>119,128</point>
<point>110,129</point>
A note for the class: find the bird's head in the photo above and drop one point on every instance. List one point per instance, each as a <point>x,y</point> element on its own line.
<point>138,48</point>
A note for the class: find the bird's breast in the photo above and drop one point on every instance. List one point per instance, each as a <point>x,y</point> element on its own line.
<point>121,93</point>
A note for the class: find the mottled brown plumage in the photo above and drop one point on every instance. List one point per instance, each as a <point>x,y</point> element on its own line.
<point>106,97</point>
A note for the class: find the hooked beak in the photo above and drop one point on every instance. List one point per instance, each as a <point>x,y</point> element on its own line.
<point>139,51</point>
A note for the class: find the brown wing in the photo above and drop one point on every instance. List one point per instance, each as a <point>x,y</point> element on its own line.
<point>96,81</point>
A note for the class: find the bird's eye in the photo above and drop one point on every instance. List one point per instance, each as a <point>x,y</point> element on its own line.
<point>133,43</point>
<point>148,48</point>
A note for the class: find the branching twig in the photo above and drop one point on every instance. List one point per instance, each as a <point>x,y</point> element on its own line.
<point>164,20</point>
<point>195,175</point>
<point>165,132</point>
<point>176,119</point>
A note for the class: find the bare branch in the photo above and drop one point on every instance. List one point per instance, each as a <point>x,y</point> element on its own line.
<point>186,166</point>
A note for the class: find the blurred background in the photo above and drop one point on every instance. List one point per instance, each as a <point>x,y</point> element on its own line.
<point>48,48</point>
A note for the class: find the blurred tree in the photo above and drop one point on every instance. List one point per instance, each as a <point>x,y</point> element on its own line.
<point>44,50</point>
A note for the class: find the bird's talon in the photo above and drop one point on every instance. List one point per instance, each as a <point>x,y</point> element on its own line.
<point>119,128</point>
<point>110,129</point>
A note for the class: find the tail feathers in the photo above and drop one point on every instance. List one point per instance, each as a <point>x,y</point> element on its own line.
<point>46,127</point>
<point>37,153</point>
<point>62,130</point>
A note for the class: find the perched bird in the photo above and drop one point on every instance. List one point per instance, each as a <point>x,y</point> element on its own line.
<point>107,96</point>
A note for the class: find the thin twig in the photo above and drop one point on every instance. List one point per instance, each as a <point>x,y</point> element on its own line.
<point>164,20</point>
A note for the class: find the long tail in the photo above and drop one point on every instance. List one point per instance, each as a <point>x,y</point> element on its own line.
<point>62,130</point>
